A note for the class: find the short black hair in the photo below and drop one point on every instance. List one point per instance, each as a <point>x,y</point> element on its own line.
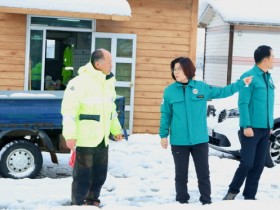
<point>96,56</point>
<point>262,52</point>
<point>186,65</point>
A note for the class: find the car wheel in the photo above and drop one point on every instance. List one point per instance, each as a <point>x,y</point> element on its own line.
<point>273,151</point>
<point>20,159</point>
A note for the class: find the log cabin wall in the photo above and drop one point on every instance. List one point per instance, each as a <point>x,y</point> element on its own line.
<point>165,29</point>
<point>12,51</point>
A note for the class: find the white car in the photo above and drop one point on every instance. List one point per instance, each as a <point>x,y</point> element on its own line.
<point>223,127</point>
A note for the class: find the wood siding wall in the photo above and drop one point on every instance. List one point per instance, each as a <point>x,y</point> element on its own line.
<point>216,52</point>
<point>165,29</point>
<point>246,40</point>
<point>12,51</point>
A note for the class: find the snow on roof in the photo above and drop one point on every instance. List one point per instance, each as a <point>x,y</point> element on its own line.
<point>256,12</point>
<point>108,7</point>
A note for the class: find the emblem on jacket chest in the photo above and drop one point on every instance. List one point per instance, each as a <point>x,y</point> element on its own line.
<point>195,91</point>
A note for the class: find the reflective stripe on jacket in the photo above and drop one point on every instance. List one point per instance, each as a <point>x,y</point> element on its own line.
<point>88,108</point>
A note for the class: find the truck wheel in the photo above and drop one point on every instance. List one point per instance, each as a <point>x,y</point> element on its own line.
<point>273,151</point>
<point>20,159</point>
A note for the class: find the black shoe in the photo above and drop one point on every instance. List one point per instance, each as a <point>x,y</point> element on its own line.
<point>205,203</point>
<point>250,199</point>
<point>230,196</point>
<point>183,201</point>
<point>95,202</point>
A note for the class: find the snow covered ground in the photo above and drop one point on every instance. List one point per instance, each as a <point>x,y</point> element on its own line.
<point>140,177</point>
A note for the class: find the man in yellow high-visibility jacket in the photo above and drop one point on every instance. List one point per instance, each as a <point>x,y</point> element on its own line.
<point>89,116</point>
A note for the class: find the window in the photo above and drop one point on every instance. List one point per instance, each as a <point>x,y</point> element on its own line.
<point>51,49</point>
<point>48,40</point>
<point>61,22</point>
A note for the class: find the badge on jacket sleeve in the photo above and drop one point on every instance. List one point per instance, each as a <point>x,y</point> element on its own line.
<point>195,91</point>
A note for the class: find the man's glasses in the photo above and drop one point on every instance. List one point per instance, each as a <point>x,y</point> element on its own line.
<point>178,69</point>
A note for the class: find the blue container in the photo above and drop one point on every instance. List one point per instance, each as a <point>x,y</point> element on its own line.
<point>38,110</point>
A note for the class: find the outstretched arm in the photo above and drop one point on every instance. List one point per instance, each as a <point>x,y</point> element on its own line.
<point>229,90</point>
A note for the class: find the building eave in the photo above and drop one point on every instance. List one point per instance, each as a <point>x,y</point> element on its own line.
<point>59,13</point>
<point>206,17</point>
<point>247,23</point>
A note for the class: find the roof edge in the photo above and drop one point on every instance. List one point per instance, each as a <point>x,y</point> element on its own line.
<point>60,13</point>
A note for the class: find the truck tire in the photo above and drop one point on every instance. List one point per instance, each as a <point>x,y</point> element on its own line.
<point>20,159</point>
<point>273,151</point>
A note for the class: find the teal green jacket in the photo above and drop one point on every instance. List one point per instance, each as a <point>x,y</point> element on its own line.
<point>183,112</point>
<point>256,103</point>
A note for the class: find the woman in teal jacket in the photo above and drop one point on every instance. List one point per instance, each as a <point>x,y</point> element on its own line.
<point>183,117</point>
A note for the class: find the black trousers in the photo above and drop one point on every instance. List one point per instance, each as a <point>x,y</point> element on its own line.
<point>253,155</point>
<point>89,173</point>
<point>181,156</point>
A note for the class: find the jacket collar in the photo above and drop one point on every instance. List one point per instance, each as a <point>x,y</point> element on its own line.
<point>109,76</point>
<point>191,83</point>
<point>89,69</point>
<point>258,71</point>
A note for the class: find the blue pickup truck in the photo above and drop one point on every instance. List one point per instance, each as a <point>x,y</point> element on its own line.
<point>30,122</point>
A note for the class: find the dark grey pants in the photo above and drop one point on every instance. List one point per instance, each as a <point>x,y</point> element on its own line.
<point>181,156</point>
<point>89,173</point>
<point>253,156</point>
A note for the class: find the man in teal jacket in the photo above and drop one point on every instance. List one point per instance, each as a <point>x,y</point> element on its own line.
<point>183,117</point>
<point>256,107</point>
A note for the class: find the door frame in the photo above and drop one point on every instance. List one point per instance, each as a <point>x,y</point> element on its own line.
<point>44,29</point>
<point>113,36</point>
<point>131,84</point>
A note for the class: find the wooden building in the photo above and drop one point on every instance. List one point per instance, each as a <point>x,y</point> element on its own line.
<point>232,34</point>
<point>142,45</point>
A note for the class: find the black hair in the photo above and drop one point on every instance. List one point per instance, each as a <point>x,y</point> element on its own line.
<point>96,56</point>
<point>186,65</point>
<point>262,52</point>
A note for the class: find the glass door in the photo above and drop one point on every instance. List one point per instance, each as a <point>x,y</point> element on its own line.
<point>55,49</point>
<point>36,61</point>
<point>123,50</point>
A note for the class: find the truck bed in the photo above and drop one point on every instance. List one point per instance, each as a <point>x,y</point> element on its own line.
<point>37,109</point>
<point>30,109</point>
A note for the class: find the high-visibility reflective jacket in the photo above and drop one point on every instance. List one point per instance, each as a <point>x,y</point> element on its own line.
<point>88,108</point>
<point>36,72</point>
<point>67,70</point>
